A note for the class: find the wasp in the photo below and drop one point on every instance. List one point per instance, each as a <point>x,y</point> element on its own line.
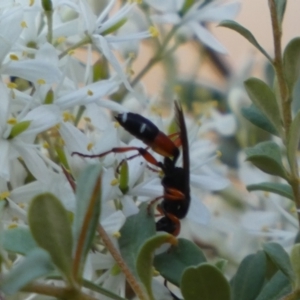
<point>176,181</point>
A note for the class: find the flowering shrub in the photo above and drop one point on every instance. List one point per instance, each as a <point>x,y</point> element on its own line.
<point>83,201</point>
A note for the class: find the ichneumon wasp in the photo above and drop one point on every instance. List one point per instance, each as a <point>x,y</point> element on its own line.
<point>176,180</point>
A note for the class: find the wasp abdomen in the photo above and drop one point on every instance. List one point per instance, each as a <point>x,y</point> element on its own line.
<point>146,131</point>
<point>138,126</point>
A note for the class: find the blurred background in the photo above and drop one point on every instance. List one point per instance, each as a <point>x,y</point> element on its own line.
<point>210,87</point>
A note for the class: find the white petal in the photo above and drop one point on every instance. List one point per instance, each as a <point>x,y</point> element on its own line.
<point>206,37</point>
<point>114,222</point>
<point>32,159</point>
<point>112,105</point>
<point>166,5</point>
<point>166,18</point>
<point>48,54</point>
<point>109,192</point>
<point>101,43</point>
<point>88,17</point>
<point>66,29</point>
<point>151,189</point>
<point>88,94</point>
<point>101,261</point>
<point>17,211</point>
<point>105,11</point>
<point>114,19</point>
<point>160,291</point>
<point>74,139</point>
<point>98,116</point>
<point>4,107</point>
<point>219,12</point>
<point>33,70</point>
<point>10,29</point>
<point>198,212</point>
<point>25,193</point>
<point>129,206</point>
<point>258,220</point>
<point>4,161</point>
<point>108,140</point>
<point>226,125</point>
<point>209,183</point>
<point>42,118</point>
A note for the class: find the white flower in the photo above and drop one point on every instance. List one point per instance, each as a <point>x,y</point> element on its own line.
<point>30,69</point>
<point>96,27</point>
<point>195,19</point>
<point>37,120</point>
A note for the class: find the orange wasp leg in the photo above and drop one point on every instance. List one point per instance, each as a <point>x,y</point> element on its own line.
<point>152,202</point>
<point>173,194</point>
<point>176,221</point>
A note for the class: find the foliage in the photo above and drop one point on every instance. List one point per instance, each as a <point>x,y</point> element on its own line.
<point>79,211</point>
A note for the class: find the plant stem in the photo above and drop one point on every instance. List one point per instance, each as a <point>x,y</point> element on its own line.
<point>56,291</point>
<point>159,55</point>
<point>284,98</point>
<point>121,263</point>
<point>83,42</point>
<point>278,66</point>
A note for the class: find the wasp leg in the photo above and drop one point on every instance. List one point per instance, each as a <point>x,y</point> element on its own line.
<point>152,202</point>
<point>142,151</point>
<point>173,194</point>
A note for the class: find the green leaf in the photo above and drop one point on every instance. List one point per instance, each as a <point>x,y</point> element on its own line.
<point>293,142</point>
<point>264,99</point>
<point>144,262</point>
<point>256,117</point>
<point>136,230</point>
<point>36,264</point>
<point>280,258</point>
<point>281,189</point>
<point>295,261</point>
<point>18,240</point>
<point>276,288</point>
<point>246,34</point>
<point>91,286</point>
<point>249,279</point>
<point>267,157</point>
<point>291,63</point>
<point>280,9</point>
<point>205,282</point>
<point>50,227</point>
<point>99,289</point>
<point>172,263</point>
<point>221,264</point>
<point>88,206</point>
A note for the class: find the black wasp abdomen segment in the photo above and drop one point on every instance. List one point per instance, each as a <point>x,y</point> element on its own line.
<point>138,126</point>
<point>167,225</point>
<point>174,178</point>
<point>178,208</point>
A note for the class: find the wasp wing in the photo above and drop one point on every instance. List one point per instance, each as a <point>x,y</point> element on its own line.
<point>185,147</point>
